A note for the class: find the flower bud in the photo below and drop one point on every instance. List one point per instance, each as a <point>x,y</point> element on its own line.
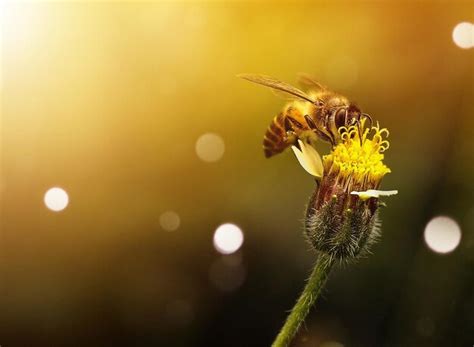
<point>343,227</point>
<point>342,218</point>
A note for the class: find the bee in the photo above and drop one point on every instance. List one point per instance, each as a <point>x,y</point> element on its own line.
<point>317,113</point>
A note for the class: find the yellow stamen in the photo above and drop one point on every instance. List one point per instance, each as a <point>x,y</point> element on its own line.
<point>359,155</point>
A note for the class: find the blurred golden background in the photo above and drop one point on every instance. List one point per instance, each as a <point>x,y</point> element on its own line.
<point>134,111</point>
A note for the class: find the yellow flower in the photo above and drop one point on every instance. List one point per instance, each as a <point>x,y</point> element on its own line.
<point>357,161</point>
<point>342,217</point>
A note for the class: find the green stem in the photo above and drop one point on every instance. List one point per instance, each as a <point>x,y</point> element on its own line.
<point>306,300</point>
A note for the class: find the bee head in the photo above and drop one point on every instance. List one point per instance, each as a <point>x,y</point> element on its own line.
<point>347,116</point>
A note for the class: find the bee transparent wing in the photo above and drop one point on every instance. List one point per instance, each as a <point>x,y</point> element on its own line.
<point>307,81</point>
<point>278,86</point>
<point>285,95</point>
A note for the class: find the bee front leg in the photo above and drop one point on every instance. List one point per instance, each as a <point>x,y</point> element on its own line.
<point>330,130</point>
<point>369,118</point>
<point>310,122</point>
<point>312,125</point>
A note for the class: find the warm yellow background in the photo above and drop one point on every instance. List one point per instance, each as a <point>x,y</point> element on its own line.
<point>107,100</point>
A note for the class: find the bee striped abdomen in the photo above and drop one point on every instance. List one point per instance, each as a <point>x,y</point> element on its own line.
<point>275,140</point>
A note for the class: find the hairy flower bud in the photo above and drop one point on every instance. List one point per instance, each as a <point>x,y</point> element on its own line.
<point>343,227</point>
<point>342,218</point>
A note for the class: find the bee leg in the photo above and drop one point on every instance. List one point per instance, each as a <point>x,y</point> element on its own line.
<point>348,122</point>
<point>295,123</point>
<point>291,139</point>
<point>324,137</point>
<point>318,132</point>
<point>288,125</point>
<point>353,121</point>
<point>310,122</point>
<point>328,132</point>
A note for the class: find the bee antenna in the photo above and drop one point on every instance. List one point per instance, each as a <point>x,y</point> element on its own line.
<point>367,116</point>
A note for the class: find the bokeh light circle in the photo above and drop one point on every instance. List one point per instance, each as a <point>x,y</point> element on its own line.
<point>463,35</point>
<point>228,238</point>
<point>210,147</point>
<point>442,234</point>
<point>56,199</point>
<point>170,220</point>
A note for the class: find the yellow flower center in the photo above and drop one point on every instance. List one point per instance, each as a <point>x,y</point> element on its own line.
<point>359,157</point>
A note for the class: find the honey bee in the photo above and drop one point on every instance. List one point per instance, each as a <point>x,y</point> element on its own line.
<point>317,113</point>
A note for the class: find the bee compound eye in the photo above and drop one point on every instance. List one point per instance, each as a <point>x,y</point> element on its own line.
<point>340,117</point>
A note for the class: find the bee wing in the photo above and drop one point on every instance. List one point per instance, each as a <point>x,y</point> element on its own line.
<point>307,81</point>
<point>276,85</point>
<point>285,96</point>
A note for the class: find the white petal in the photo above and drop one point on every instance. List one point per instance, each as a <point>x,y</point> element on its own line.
<point>372,193</point>
<point>309,159</point>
